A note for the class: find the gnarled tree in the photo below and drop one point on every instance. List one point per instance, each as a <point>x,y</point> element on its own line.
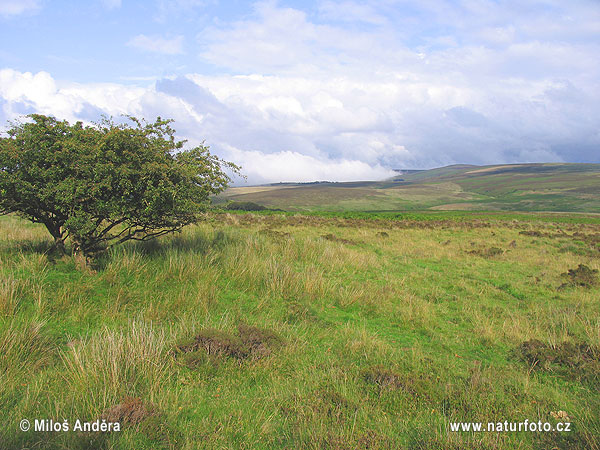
<point>104,184</point>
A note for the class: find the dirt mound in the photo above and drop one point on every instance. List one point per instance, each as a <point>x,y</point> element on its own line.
<point>258,341</point>
<point>582,276</point>
<point>143,416</point>
<point>591,240</point>
<point>577,360</point>
<point>383,378</point>
<point>215,342</point>
<point>487,252</point>
<point>334,238</point>
<point>534,233</point>
<point>131,411</point>
<point>250,342</point>
<point>415,385</point>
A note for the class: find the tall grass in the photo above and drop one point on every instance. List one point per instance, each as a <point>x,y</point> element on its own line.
<point>385,338</point>
<point>112,364</point>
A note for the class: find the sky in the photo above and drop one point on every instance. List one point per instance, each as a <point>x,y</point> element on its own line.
<point>336,90</point>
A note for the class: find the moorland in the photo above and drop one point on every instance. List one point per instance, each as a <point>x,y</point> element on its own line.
<point>286,330</point>
<point>507,187</point>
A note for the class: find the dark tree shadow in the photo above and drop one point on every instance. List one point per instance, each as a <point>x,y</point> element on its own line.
<point>197,243</point>
<point>28,246</point>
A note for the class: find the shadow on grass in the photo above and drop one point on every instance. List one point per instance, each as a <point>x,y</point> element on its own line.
<point>28,246</point>
<point>185,243</point>
<point>197,243</point>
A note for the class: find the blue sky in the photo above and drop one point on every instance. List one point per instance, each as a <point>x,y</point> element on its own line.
<point>323,89</point>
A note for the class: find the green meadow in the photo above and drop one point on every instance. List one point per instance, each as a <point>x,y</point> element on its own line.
<point>511,187</point>
<point>308,331</point>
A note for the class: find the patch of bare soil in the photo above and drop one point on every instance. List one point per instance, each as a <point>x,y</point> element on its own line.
<point>387,380</point>
<point>248,343</point>
<point>333,238</point>
<point>534,233</point>
<point>383,378</point>
<point>582,276</point>
<point>144,416</point>
<point>487,252</point>
<point>592,240</point>
<point>215,342</point>
<point>258,341</point>
<point>580,361</point>
<point>130,411</point>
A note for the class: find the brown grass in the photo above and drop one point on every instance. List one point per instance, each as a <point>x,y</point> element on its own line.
<point>131,411</point>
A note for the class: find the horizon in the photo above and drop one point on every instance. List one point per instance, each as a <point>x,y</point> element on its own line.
<point>400,172</point>
<point>320,89</point>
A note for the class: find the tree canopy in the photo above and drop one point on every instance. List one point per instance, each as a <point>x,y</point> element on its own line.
<point>104,184</point>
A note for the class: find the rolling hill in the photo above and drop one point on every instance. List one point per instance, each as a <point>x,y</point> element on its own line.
<point>559,187</point>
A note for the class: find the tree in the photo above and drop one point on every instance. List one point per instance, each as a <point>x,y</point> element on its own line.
<point>108,183</point>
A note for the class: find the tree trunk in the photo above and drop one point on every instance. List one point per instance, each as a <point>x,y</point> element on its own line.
<point>59,246</point>
<point>59,242</point>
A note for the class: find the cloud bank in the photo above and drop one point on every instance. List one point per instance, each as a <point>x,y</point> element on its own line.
<point>351,90</point>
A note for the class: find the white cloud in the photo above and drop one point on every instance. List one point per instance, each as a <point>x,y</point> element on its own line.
<point>269,150</point>
<point>14,8</point>
<point>350,11</point>
<point>296,167</point>
<point>24,93</point>
<point>158,44</point>
<point>283,40</point>
<point>283,128</point>
<point>301,100</point>
<point>111,4</point>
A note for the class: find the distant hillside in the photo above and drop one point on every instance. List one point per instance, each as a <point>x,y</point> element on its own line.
<point>507,187</point>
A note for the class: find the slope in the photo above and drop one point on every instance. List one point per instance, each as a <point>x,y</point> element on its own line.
<point>507,187</point>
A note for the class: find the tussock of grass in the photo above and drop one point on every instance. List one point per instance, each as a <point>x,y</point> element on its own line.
<point>9,294</point>
<point>25,346</point>
<point>111,365</point>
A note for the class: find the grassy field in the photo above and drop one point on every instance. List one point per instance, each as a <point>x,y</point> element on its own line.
<point>287,331</point>
<point>515,187</point>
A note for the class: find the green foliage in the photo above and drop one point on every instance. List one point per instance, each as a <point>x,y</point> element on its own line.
<point>244,206</point>
<point>105,184</point>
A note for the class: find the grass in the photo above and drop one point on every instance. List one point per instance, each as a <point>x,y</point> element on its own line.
<point>516,187</point>
<point>330,331</point>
